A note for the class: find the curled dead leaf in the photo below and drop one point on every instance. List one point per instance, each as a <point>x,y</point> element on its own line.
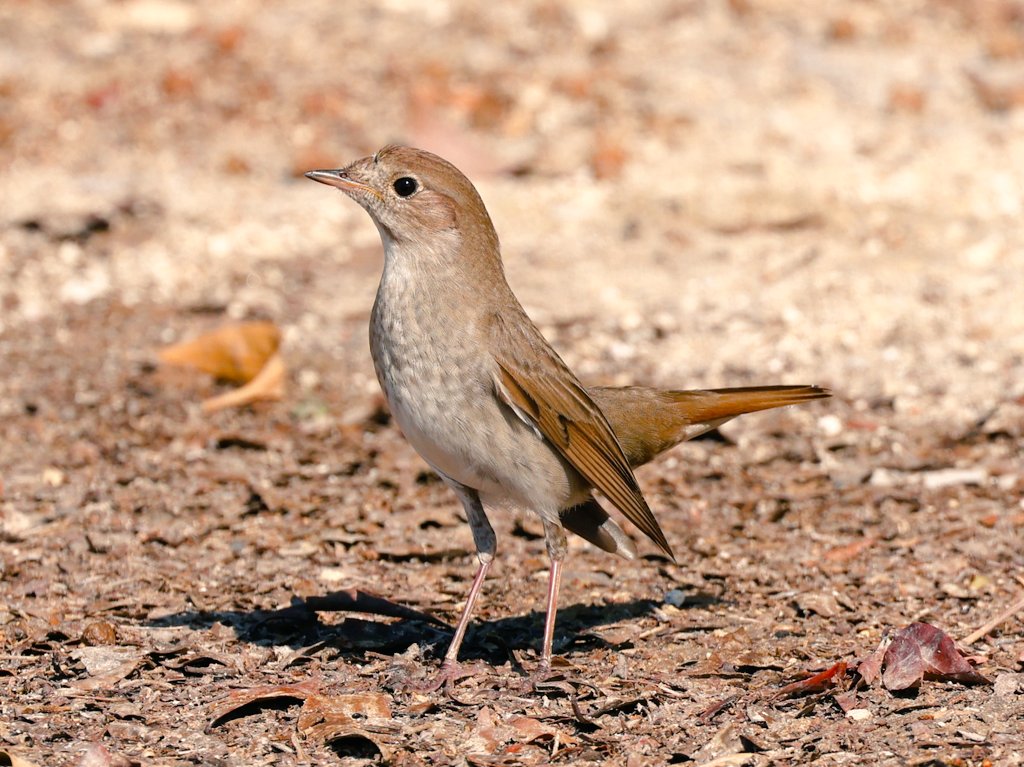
<point>231,707</point>
<point>235,353</point>
<point>815,683</point>
<point>267,386</point>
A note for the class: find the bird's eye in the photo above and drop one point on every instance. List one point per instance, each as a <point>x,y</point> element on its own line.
<point>405,186</point>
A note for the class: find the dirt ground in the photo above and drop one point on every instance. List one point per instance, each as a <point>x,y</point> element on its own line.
<point>689,194</point>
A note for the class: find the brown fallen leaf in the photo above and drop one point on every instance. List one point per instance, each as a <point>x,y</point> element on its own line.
<point>815,683</point>
<point>328,717</point>
<point>235,353</point>
<point>331,718</point>
<point>921,651</point>
<point>105,665</point>
<point>871,666</point>
<point>99,633</point>
<point>527,730</point>
<point>238,699</point>
<point>999,87</point>
<point>369,705</point>
<point>847,701</point>
<point>489,734</point>
<point>268,385</point>
<point>824,605</point>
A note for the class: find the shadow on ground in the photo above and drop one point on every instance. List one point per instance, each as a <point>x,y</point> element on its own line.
<point>395,628</point>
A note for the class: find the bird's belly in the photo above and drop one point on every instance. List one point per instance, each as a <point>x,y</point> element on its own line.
<point>442,397</point>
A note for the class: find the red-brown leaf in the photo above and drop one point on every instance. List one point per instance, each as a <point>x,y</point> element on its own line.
<point>815,683</point>
<point>922,651</point>
<point>870,668</point>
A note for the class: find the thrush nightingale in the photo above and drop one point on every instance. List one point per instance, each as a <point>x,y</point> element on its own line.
<point>483,397</point>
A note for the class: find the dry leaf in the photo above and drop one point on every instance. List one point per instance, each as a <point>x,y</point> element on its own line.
<point>999,87</point>
<point>527,730</point>
<point>99,633</point>
<point>235,353</point>
<point>922,651</point>
<point>268,385</point>
<point>238,699</point>
<point>871,666</point>
<point>105,665</point>
<point>328,717</point>
<point>824,605</point>
<point>815,683</point>
<point>369,705</point>
<point>709,713</point>
<point>907,98</point>
<point>488,735</point>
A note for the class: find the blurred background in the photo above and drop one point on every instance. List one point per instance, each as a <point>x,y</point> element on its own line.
<point>748,190</point>
<point>689,193</point>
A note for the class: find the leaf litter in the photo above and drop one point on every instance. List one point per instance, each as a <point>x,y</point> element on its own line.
<point>244,353</point>
<point>816,531</point>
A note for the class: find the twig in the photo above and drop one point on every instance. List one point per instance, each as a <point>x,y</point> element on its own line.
<point>1012,610</point>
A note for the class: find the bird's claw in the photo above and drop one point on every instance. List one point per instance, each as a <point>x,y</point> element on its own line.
<point>446,677</point>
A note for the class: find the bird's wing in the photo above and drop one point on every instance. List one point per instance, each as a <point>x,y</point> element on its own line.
<point>532,379</point>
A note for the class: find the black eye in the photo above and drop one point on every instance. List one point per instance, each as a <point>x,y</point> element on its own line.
<point>405,186</point>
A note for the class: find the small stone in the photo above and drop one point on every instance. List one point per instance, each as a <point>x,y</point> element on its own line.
<point>675,597</point>
<point>830,425</point>
<point>99,633</point>
<point>933,480</point>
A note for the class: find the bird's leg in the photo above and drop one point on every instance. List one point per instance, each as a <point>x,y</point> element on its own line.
<point>555,538</point>
<point>486,544</point>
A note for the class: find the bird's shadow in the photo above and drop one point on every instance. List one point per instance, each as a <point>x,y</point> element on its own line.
<point>392,628</point>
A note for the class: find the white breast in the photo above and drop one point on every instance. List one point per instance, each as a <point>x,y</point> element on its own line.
<point>439,383</point>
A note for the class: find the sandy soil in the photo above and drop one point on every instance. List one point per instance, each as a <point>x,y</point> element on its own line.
<point>690,194</point>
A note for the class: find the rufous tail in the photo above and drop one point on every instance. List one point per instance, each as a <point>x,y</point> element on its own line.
<point>650,421</point>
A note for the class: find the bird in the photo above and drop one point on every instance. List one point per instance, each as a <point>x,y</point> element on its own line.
<point>486,401</point>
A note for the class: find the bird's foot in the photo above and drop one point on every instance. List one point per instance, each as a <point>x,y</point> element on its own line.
<point>545,679</point>
<point>451,671</point>
<point>561,678</point>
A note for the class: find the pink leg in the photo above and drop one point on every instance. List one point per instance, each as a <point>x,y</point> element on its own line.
<point>555,539</point>
<point>486,543</point>
<point>452,656</point>
<point>554,580</point>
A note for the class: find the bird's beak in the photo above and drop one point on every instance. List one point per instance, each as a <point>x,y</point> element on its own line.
<point>341,180</point>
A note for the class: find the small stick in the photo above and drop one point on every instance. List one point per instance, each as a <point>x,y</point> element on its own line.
<point>1012,610</point>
